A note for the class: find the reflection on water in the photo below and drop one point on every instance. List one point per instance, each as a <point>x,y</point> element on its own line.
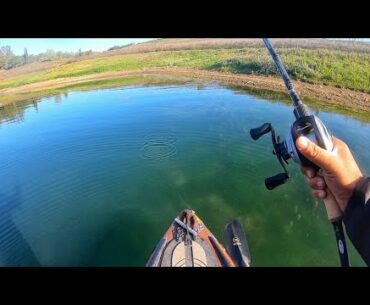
<point>94,178</point>
<point>12,112</point>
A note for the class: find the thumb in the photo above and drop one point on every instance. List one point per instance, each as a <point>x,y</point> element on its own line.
<point>314,153</point>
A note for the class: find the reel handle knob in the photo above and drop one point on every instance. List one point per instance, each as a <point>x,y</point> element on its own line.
<point>258,132</point>
<point>274,181</point>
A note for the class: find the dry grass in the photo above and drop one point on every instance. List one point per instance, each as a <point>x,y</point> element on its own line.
<point>194,44</point>
<point>345,69</point>
<point>317,62</point>
<point>213,43</point>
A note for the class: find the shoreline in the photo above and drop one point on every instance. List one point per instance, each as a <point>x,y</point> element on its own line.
<point>344,99</point>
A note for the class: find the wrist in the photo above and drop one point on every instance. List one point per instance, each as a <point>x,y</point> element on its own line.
<point>357,191</point>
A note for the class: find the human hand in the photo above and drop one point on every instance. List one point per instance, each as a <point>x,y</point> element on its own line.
<point>338,172</point>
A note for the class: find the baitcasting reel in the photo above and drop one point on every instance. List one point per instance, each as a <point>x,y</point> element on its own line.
<point>309,126</point>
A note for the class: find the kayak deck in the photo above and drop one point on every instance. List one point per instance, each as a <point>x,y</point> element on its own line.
<point>189,243</point>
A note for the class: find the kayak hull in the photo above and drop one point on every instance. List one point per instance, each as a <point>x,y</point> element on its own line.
<point>189,243</point>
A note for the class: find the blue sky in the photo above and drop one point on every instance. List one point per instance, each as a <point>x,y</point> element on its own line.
<point>39,45</point>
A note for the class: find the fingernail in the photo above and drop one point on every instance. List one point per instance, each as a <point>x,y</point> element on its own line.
<point>320,183</point>
<point>310,174</point>
<point>302,142</point>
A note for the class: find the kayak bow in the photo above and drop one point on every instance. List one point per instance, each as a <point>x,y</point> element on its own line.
<point>189,243</point>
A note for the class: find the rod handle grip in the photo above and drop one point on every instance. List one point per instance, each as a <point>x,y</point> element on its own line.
<point>332,207</point>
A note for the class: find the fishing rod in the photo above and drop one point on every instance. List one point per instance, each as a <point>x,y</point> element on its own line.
<point>313,128</point>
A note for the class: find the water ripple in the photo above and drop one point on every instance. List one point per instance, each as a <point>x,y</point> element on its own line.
<point>159,147</point>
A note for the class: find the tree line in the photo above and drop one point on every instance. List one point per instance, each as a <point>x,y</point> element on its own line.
<point>8,60</point>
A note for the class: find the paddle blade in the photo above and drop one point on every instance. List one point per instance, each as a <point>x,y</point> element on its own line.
<point>236,244</point>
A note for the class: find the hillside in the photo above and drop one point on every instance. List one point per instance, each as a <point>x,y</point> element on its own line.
<point>336,71</point>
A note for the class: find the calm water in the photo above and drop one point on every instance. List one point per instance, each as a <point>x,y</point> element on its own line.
<point>95,178</point>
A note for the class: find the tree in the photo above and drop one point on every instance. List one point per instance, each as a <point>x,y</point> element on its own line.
<point>79,52</point>
<point>13,61</point>
<point>25,56</point>
<point>7,59</point>
<point>6,51</point>
<point>2,62</point>
<point>48,55</point>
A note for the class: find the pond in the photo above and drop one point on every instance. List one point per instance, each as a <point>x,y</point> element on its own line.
<point>94,178</point>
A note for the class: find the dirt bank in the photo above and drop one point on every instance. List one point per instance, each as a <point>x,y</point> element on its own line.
<point>346,98</point>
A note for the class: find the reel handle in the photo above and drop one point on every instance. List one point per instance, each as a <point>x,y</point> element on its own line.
<point>274,181</point>
<point>258,132</point>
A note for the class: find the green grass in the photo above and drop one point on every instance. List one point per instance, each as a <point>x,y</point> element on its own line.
<point>318,66</point>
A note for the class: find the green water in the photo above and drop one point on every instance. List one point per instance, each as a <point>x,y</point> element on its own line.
<point>94,178</point>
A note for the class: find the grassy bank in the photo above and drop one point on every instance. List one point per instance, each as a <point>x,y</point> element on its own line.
<point>319,64</point>
<point>347,69</point>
